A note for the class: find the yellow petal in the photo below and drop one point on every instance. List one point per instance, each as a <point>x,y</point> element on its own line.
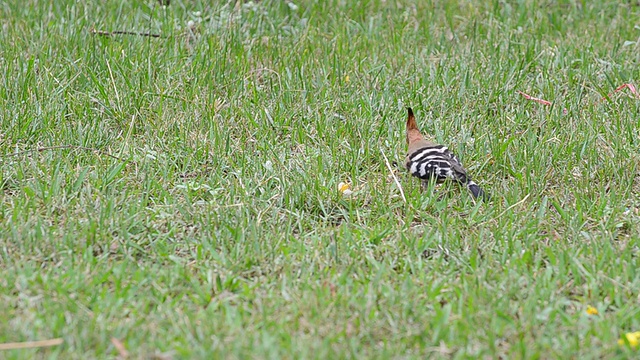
<point>591,310</point>
<point>633,338</point>
<point>342,187</point>
<point>346,78</point>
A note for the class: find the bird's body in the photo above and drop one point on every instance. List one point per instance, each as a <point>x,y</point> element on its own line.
<point>430,161</point>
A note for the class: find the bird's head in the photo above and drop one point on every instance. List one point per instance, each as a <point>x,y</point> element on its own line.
<point>413,134</point>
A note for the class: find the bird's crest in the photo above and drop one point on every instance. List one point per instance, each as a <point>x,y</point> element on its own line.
<point>413,134</point>
<point>411,121</point>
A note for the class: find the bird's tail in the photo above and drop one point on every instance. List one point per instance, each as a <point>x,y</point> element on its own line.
<point>477,192</point>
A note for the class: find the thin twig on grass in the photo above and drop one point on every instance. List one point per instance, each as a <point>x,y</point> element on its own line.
<point>538,100</point>
<point>31,344</point>
<point>541,101</point>
<point>59,147</point>
<point>394,175</point>
<point>510,207</point>
<point>110,33</point>
<point>122,351</point>
<point>631,87</point>
<point>621,87</point>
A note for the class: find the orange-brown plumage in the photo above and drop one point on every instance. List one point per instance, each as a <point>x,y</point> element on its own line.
<point>430,161</point>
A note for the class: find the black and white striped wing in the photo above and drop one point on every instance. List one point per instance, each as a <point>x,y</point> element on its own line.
<point>437,162</point>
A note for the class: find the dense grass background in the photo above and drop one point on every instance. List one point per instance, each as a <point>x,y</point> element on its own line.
<point>206,221</point>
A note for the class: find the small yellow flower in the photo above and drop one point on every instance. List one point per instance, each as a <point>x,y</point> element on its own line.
<point>346,79</point>
<point>633,338</point>
<point>343,186</point>
<point>345,189</point>
<point>591,310</point>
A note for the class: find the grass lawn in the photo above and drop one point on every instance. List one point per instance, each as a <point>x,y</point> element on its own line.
<point>175,197</point>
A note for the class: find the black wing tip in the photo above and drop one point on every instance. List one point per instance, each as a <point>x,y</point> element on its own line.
<point>478,193</point>
<point>410,111</point>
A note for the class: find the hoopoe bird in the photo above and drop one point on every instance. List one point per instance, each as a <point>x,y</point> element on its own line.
<point>430,161</point>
